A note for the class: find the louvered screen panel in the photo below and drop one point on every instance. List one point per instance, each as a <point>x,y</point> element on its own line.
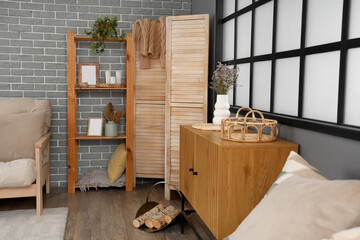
<point>149,122</point>
<point>150,140</point>
<point>150,83</point>
<point>180,116</point>
<point>186,82</point>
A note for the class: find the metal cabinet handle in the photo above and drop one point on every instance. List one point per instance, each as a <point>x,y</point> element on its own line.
<point>191,169</point>
<point>195,173</point>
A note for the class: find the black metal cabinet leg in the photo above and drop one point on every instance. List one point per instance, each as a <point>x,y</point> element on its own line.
<point>184,218</point>
<point>182,213</point>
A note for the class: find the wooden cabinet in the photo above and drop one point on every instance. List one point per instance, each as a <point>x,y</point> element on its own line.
<point>223,180</point>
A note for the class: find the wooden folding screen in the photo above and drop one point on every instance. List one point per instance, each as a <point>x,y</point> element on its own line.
<point>187,51</point>
<point>149,123</point>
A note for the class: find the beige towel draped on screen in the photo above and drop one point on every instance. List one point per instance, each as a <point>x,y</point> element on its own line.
<point>150,41</point>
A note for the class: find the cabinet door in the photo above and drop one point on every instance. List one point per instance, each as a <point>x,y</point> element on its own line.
<point>187,148</point>
<point>205,181</point>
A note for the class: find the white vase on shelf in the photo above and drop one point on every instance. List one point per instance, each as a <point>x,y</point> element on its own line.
<point>118,77</point>
<point>107,76</point>
<point>222,107</point>
<point>113,80</point>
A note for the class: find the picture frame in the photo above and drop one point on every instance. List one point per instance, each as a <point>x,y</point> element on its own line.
<point>95,127</point>
<point>89,73</point>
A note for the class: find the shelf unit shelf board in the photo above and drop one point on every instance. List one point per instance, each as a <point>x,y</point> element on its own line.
<point>99,88</point>
<point>83,136</point>
<point>92,186</point>
<point>87,38</point>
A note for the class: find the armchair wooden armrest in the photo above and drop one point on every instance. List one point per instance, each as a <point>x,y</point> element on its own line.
<point>43,141</point>
<point>42,170</point>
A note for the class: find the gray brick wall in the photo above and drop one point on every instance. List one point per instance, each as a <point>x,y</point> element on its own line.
<point>33,64</point>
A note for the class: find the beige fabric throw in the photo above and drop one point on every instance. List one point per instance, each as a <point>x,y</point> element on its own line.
<point>150,41</point>
<point>99,178</point>
<point>142,31</point>
<point>154,45</point>
<point>162,26</point>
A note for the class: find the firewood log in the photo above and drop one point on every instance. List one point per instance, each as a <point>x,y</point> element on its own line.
<point>170,217</point>
<point>141,220</point>
<point>159,223</point>
<point>150,221</point>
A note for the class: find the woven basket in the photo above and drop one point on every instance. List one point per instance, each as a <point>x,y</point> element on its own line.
<point>209,127</point>
<point>249,128</point>
<point>109,85</point>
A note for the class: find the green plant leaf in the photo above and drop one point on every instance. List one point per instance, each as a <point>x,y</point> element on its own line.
<point>102,29</point>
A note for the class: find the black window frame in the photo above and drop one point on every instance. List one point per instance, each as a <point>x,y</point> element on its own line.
<point>339,128</point>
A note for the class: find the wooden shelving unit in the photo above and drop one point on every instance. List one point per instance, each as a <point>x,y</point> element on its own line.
<point>73,137</point>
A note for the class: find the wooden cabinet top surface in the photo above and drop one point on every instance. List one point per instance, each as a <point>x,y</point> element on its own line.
<point>214,137</point>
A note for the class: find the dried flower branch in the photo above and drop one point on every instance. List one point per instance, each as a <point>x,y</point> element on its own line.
<point>108,111</point>
<point>110,115</point>
<point>117,115</point>
<point>223,78</point>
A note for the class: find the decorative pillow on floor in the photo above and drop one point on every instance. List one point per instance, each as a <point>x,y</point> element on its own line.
<point>349,234</point>
<point>117,163</point>
<point>302,205</point>
<point>17,173</point>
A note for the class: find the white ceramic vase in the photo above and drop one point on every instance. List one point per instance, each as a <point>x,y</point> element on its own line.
<point>222,107</point>
<point>108,77</point>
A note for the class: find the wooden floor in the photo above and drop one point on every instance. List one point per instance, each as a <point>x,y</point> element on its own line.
<point>108,214</point>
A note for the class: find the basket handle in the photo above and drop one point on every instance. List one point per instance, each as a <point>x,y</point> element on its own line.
<point>163,182</point>
<point>253,113</point>
<point>237,113</point>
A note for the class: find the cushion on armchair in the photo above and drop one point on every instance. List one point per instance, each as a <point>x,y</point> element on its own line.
<point>27,105</point>
<point>17,173</point>
<point>19,133</point>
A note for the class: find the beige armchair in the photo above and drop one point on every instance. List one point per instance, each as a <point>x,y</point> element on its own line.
<point>25,149</point>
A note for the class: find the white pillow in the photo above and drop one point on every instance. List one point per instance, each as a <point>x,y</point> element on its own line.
<point>349,234</point>
<point>301,204</point>
<point>17,173</point>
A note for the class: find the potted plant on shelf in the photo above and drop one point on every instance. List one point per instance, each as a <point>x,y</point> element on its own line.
<point>111,127</point>
<point>103,29</point>
<point>223,79</point>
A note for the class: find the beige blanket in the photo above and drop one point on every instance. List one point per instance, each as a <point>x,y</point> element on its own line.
<point>99,178</point>
<point>150,41</point>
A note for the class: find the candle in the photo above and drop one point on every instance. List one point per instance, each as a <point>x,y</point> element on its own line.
<point>107,76</point>
<point>113,80</point>
<point>118,77</point>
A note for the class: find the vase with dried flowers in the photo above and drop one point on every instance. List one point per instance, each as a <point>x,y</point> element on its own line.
<point>223,79</point>
<point>111,127</point>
